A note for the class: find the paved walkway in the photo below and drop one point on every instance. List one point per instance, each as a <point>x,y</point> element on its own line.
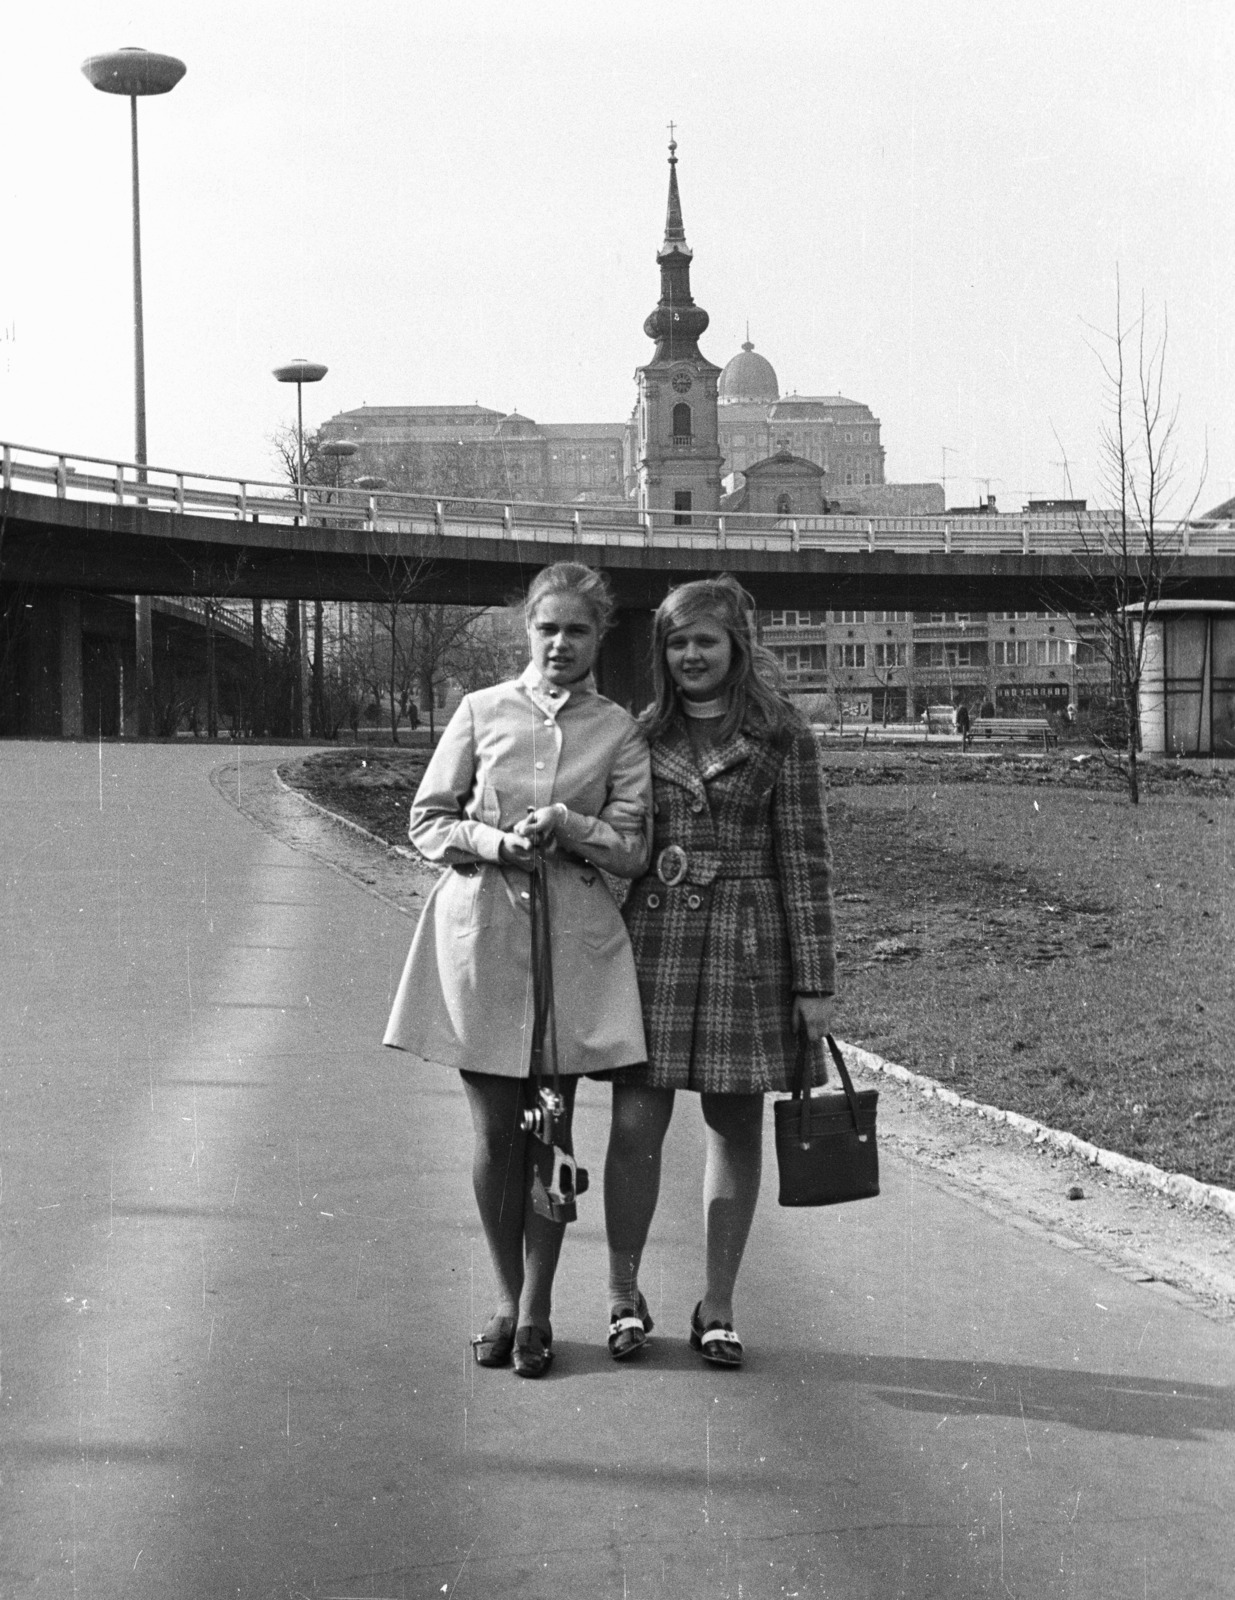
<point>239,1265</point>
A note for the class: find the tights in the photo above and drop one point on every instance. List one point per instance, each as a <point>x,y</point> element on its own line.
<point>523,1246</point>
<point>734,1124</point>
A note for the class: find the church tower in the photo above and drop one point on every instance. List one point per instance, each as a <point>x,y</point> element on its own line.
<point>678,453</point>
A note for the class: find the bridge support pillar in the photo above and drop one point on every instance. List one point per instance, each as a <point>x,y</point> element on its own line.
<point>72,687</point>
<point>624,670</point>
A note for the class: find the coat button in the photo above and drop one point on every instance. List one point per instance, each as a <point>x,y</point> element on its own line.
<point>653,902</point>
<point>694,902</point>
<point>540,766</point>
<point>548,722</point>
<point>696,806</point>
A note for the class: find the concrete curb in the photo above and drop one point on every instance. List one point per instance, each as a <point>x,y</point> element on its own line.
<point>1189,1191</point>
<point>346,822</point>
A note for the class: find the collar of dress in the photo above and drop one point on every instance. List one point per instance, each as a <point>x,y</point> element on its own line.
<point>551,697</point>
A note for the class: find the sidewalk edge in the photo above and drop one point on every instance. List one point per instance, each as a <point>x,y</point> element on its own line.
<point>344,822</point>
<point>1177,1185</point>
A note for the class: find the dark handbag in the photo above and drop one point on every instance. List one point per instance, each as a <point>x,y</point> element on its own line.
<point>825,1143</point>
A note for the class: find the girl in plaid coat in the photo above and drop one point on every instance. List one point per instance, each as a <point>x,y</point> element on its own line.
<point>733,940</point>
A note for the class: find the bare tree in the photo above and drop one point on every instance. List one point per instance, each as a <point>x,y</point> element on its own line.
<point>1129,552</point>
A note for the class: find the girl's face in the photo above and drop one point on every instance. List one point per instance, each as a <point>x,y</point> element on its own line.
<point>564,638</point>
<point>698,656</point>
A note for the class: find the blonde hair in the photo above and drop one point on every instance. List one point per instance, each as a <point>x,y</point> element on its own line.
<point>757,700</point>
<point>572,577</point>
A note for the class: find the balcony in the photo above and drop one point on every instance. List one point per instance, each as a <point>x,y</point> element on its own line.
<point>683,441</point>
<point>954,632</point>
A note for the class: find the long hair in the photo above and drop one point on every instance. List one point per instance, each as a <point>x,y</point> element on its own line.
<point>757,700</point>
<point>572,577</point>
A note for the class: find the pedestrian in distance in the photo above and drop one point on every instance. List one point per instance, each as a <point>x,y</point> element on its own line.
<point>541,765</point>
<point>732,930</point>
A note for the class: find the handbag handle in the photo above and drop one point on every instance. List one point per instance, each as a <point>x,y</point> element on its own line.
<point>801,1089</point>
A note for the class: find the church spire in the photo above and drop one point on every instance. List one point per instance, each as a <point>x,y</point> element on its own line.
<point>675,230</point>
<point>677,321</point>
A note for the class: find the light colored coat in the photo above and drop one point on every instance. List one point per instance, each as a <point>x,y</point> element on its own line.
<point>465,998</point>
<point>722,954</point>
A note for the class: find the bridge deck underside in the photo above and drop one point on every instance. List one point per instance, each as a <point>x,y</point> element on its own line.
<point>91,547</point>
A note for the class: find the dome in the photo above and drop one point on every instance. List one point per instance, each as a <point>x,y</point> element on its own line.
<point>748,376</point>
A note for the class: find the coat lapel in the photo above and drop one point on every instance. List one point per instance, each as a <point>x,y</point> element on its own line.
<point>723,756</point>
<point>673,761</point>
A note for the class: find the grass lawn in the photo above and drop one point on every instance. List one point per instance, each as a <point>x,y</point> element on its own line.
<point>1012,927</point>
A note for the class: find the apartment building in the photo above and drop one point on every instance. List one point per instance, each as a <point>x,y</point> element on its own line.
<point>890,665</point>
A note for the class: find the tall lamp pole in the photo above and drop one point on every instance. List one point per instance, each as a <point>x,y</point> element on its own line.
<point>136,72</point>
<point>338,451</point>
<point>299,372</point>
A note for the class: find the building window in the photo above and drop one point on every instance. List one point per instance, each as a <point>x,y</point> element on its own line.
<point>1054,652</point>
<point>888,656</point>
<point>1010,652</point>
<point>799,660</point>
<point>951,655</point>
<point>681,423</point>
<point>851,616</point>
<point>888,616</point>
<point>851,655</point>
<point>796,619</point>
<point>784,505</point>
<point>681,506</point>
<point>949,616</point>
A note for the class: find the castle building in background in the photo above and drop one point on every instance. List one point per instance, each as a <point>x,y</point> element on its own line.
<point>699,439</point>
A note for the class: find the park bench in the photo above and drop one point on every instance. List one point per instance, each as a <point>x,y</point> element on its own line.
<point>1011,729</point>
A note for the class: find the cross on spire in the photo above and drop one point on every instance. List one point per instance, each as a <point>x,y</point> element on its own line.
<point>673,144</point>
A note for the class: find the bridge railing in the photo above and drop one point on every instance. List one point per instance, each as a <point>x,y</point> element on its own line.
<point>388,511</point>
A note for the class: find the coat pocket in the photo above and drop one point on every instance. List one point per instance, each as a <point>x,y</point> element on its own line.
<point>490,806</point>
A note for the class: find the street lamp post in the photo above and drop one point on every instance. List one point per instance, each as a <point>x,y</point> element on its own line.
<point>299,372</point>
<point>135,72</point>
<point>338,451</point>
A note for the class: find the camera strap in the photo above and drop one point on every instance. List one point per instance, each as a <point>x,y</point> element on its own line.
<point>544,1019</point>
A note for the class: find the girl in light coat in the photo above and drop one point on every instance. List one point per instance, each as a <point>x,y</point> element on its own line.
<point>542,759</point>
<point>733,940</point>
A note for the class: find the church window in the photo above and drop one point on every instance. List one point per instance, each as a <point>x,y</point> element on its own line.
<point>784,505</point>
<point>681,507</point>
<point>681,423</point>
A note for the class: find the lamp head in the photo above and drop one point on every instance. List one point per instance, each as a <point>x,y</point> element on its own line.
<point>133,71</point>
<point>301,371</point>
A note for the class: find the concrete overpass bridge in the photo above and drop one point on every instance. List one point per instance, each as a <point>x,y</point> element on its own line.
<point>81,525</point>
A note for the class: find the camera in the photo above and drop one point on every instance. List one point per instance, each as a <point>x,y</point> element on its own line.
<point>543,1121</point>
<point>567,1180</point>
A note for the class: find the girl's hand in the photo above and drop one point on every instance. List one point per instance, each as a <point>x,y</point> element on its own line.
<point>541,825</point>
<point>814,1013</point>
<point>516,851</point>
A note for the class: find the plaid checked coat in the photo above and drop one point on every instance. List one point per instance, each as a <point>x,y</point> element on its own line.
<point>721,955</point>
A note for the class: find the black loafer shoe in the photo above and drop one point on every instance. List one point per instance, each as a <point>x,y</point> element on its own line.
<point>628,1329</point>
<point>717,1342</point>
<point>493,1346</point>
<point>533,1351</point>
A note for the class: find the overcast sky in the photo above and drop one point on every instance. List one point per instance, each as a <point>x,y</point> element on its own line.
<point>922,207</point>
